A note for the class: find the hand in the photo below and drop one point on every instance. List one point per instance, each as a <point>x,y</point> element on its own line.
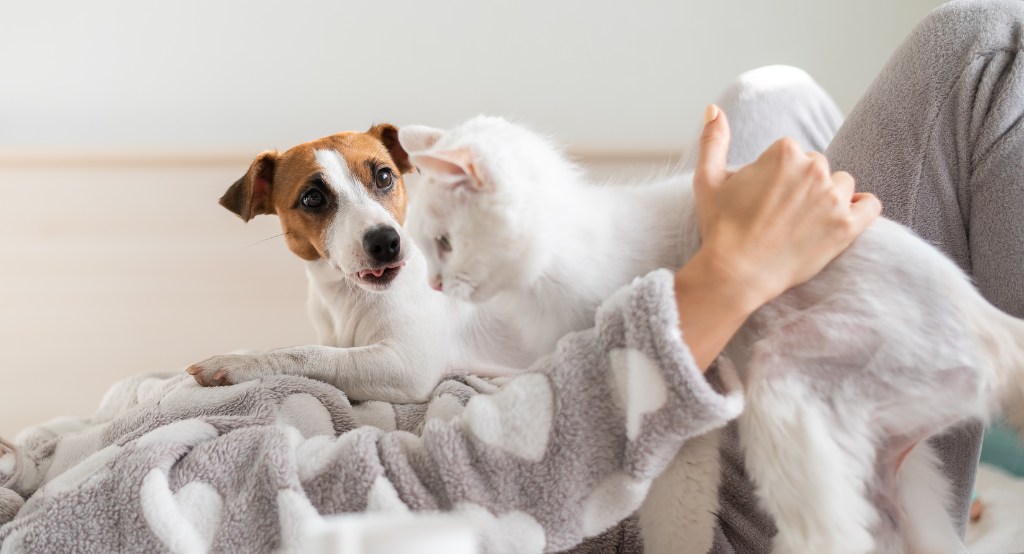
<point>777,222</point>
<point>765,228</point>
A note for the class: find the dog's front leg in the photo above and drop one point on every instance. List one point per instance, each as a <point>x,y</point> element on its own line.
<point>376,372</point>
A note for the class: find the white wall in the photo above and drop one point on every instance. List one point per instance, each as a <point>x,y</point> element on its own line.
<point>243,75</point>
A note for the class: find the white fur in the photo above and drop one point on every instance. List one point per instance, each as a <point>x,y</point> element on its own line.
<point>391,345</point>
<point>533,234</point>
<point>357,212</point>
<point>889,345</point>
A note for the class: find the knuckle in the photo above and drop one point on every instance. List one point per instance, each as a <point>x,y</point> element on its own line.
<point>844,181</point>
<point>840,228</point>
<point>849,227</point>
<point>837,201</point>
<point>843,176</point>
<point>789,147</point>
<point>876,204</point>
<point>821,161</point>
<point>776,147</point>
<point>818,168</point>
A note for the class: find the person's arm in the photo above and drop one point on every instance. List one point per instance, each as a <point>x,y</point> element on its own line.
<point>765,228</point>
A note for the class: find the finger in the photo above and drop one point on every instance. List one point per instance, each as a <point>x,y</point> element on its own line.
<point>864,210</point>
<point>844,183</point>
<point>818,167</point>
<point>713,150</point>
<point>787,149</point>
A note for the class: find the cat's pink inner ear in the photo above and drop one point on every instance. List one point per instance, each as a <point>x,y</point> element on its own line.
<point>418,138</point>
<point>452,167</point>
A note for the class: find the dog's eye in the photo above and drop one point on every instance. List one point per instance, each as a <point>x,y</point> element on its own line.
<point>313,198</point>
<point>444,243</point>
<point>385,178</point>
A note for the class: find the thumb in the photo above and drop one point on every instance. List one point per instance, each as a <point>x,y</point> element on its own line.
<point>713,150</point>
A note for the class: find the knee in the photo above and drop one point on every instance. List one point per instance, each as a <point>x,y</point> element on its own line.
<point>770,77</point>
<point>764,84</point>
<point>769,81</point>
<point>990,22</point>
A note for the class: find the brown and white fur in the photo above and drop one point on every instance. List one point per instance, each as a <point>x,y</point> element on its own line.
<point>383,333</point>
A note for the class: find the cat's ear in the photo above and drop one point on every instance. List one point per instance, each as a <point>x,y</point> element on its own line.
<point>418,138</point>
<point>454,168</point>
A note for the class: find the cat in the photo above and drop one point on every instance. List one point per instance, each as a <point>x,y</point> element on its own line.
<point>845,375</point>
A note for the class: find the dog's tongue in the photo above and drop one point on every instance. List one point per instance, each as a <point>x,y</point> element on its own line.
<point>375,272</point>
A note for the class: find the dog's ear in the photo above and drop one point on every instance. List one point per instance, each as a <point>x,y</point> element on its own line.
<point>250,195</point>
<point>388,134</point>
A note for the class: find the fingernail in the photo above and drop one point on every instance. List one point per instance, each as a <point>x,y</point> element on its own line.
<point>710,113</point>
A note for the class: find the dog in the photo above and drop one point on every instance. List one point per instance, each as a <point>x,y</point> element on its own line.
<point>383,333</point>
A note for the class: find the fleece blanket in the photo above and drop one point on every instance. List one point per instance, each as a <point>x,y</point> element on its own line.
<point>553,459</point>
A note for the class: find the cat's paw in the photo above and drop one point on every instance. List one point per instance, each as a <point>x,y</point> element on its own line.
<point>228,370</point>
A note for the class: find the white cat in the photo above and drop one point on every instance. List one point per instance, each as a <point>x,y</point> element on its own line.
<point>846,375</point>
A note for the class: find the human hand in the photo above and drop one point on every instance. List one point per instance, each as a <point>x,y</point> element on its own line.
<point>776,222</point>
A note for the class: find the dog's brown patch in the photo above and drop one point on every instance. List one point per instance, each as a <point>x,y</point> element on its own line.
<point>249,196</point>
<point>275,183</point>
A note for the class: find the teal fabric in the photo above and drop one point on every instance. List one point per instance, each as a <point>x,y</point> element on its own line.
<point>1002,448</point>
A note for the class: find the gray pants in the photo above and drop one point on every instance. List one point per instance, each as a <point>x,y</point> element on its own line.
<point>938,138</point>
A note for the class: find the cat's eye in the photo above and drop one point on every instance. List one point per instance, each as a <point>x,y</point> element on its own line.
<point>313,199</point>
<point>384,179</point>
<point>444,243</point>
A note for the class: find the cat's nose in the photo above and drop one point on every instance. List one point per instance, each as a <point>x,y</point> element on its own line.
<point>382,244</point>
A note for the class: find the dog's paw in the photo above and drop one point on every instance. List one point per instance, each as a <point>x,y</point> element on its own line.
<point>227,370</point>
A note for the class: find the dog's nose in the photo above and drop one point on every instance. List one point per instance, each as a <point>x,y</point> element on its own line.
<point>382,244</point>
